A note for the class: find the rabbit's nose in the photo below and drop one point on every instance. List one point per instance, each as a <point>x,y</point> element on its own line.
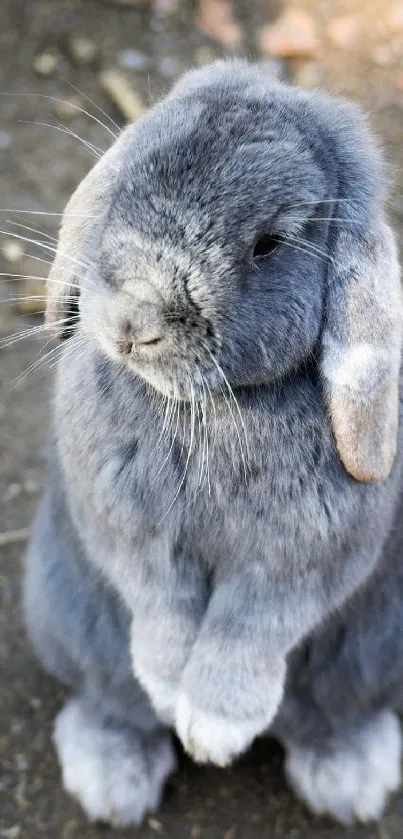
<point>142,331</point>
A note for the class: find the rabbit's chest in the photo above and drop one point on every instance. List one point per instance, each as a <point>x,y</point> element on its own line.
<point>227,487</point>
<point>231,481</point>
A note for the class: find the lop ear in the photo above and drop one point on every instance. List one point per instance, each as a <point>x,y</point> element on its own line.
<point>361,350</point>
<point>78,236</point>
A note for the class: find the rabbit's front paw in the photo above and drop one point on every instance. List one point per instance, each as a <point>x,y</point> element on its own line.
<point>222,708</point>
<point>211,738</point>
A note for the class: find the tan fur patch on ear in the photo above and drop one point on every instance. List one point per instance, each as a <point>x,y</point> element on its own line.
<point>361,353</point>
<point>363,404</point>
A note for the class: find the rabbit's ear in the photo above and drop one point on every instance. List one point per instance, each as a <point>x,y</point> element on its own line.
<point>361,350</point>
<point>79,232</point>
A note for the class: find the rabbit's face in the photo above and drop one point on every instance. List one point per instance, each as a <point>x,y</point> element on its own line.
<point>212,260</point>
<point>230,233</point>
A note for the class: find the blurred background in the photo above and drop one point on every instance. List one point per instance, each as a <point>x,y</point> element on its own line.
<point>112,59</point>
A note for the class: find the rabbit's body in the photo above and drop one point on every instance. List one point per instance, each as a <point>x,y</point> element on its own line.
<point>201,540</point>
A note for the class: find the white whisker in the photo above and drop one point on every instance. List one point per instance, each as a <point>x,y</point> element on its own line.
<point>192,430</point>
<point>177,405</point>
<point>47,248</point>
<point>232,396</point>
<point>46,280</point>
<point>97,107</point>
<point>63,130</point>
<point>72,105</point>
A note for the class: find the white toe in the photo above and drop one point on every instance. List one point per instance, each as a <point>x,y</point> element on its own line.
<point>210,738</point>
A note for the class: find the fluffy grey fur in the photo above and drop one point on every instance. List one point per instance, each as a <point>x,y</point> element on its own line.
<point>204,533</point>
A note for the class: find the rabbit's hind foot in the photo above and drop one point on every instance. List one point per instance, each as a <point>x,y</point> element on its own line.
<point>117,773</point>
<point>351,776</point>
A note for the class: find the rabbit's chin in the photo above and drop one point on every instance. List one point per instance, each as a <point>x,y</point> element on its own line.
<point>183,384</point>
<point>183,388</point>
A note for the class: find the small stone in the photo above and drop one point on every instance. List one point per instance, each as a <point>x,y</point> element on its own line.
<point>166,8</point>
<point>306,74</point>
<point>122,94</point>
<point>169,66</point>
<point>46,64</point>
<point>155,824</point>
<point>32,298</point>
<point>273,67</point>
<point>82,51</point>
<point>69,108</point>
<point>205,55</point>
<point>5,140</point>
<point>69,828</point>
<point>195,832</point>
<point>294,34</point>
<point>12,250</point>
<point>31,487</point>
<point>12,492</point>
<point>20,793</point>
<point>22,763</point>
<point>35,703</point>
<point>11,832</point>
<point>128,4</point>
<point>216,19</point>
<point>382,55</point>
<point>133,60</point>
<point>230,834</point>
<point>394,17</point>
<point>344,31</point>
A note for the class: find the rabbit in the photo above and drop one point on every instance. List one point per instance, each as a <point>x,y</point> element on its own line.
<point>217,553</point>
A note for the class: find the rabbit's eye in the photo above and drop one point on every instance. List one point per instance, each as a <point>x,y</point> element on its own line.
<point>265,246</point>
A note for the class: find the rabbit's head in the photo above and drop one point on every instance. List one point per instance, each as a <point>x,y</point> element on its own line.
<point>235,233</point>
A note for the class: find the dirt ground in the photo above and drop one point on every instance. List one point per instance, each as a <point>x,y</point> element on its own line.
<point>359,55</point>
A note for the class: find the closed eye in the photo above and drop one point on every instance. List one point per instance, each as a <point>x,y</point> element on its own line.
<point>266,245</point>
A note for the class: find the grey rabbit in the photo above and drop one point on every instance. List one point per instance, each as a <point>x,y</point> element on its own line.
<point>218,548</point>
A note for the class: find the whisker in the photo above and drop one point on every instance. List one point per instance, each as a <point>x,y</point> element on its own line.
<point>46,280</point>
<point>21,298</point>
<point>71,351</point>
<point>50,262</point>
<point>286,240</point>
<point>45,213</point>
<point>232,395</point>
<point>33,331</point>
<point>63,130</point>
<point>53,239</point>
<point>177,405</point>
<point>72,105</point>
<point>168,416</point>
<point>192,430</point>
<point>40,362</point>
<point>97,107</point>
<point>319,201</point>
<point>205,424</point>
<point>313,248</point>
<point>46,247</point>
<point>195,404</point>
<point>325,218</point>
